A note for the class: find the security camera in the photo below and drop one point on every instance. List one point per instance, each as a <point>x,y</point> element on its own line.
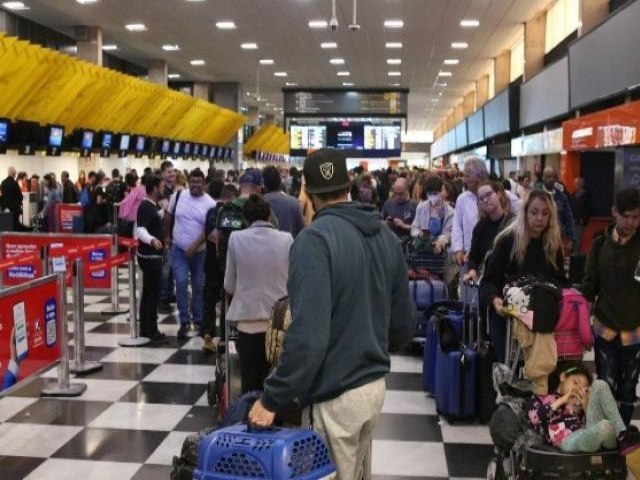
<point>354,27</point>
<point>333,23</point>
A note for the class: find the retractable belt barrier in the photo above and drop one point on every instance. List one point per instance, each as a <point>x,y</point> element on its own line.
<point>114,308</point>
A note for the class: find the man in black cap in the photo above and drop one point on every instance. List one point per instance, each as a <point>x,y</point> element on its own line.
<point>350,304</point>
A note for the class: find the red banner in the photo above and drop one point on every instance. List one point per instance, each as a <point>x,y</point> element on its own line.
<point>65,213</point>
<point>17,244</point>
<point>29,317</point>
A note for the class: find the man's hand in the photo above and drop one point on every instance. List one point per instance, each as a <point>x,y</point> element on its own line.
<point>498,306</point>
<point>191,251</point>
<point>260,416</point>
<point>460,258</point>
<point>157,244</point>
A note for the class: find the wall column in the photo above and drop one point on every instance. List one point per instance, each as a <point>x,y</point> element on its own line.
<point>227,95</point>
<point>502,71</point>
<point>201,90</point>
<point>158,72</point>
<point>592,12</point>
<point>89,43</point>
<point>534,36</point>
<point>482,91</point>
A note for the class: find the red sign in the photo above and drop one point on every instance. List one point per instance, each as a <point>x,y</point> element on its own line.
<point>16,244</point>
<point>29,318</point>
<point>608,128</point>
<point>65,213</point>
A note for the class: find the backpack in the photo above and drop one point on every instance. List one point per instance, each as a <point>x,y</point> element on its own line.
<point>573,330</point>
<point>85,197</point>
<point>228,220</point>
<point>279,322</point>
<point>114,192</point>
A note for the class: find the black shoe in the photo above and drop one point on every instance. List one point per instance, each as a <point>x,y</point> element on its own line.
<point>628,441</point>
<point>158,339</point>
<point>182,332</point>
<point>171,299</point>
<point>164,307</point>
<point>200,331</point>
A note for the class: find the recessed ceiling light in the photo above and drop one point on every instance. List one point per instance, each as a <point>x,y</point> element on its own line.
<point>328,45</point>
<point>394,23</point>
<point>291,84</point>
<point>197,63</point>
<point>394,84</point>
<point>451,61</point>
<point>347,84</point>
<point>343,74</point>
<point>445,74</point>
<point>393,45</point>
<point>15,6</point>
<point>110,47</point>
<point>226,25</point>
<point>267,61</point>
<point>394,61</point>
<point>173,76</point>
<point>86,2</point>
<point>318,24</point>
<point>394,74</point>
<point>337,61</point>
<point>171,48</point>
<point>280,74</point>
<point>469,23</point>
<point>441,85</point>
<point>459,45</point>
<point>136,27</point>
<point>249,46</point>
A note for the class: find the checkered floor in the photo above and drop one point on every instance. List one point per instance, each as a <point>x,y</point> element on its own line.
<point>138,409</point>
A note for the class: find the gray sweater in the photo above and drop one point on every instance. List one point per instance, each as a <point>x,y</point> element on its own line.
<point>350,303</point>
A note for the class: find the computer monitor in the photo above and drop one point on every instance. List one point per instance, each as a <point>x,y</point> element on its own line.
<point>186,150</point>
<point>86,143</point>
<point>123,149</point>
<point>106,142</point>
<point>205,151</point>
<point>177,148</point>
<point>4,135</point>
<point>54,140</point>
<point>141,141</point>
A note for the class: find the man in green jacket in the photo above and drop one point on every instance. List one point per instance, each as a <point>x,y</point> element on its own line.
<point>612,282</point>
<point>350,304</point>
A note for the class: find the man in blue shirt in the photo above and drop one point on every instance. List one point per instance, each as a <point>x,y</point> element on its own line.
<point>399,210</point>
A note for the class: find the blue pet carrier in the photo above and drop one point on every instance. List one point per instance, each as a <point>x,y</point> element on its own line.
<point>278,453</point>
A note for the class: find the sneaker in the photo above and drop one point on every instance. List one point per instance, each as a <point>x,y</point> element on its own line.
<point>164,307</point>
<point>182,331</point>
<point>628,441</point>
<point>209,345</point>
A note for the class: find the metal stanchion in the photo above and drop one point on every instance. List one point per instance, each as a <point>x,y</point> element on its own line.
<point>79,364</point>
<point>133,340</point>
<point>115,308</point>
<point>63,387</point>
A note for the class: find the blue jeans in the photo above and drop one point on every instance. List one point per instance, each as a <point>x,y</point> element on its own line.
<point>182,268</point>
<point>619,366</point>
<point>166,278</point>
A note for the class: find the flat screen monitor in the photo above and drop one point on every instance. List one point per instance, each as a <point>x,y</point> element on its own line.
<point>205,151</point>
<point>4,131</point>
<point>345,135</point>
<point>140,142</point>
<point>107,140</point>
<point>177,146</point>
<point>382,137</point>
<point>166,144</point>
<point>196,149</point>
<point>214,152</point>
<point>186,151</point>
<point>304,137</point>
<point>55,136</point>
<point>124,142</point>
<point>87,140</point>
<point>227,153</point>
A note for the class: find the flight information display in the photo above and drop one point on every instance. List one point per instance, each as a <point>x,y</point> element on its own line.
<point>382,137</point>
<point>308,136</point>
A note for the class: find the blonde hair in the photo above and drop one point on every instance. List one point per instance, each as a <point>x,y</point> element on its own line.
<point>499,190</point>
<point>551,237</point>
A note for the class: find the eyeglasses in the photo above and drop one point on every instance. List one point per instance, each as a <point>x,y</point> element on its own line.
<point>486,197</point>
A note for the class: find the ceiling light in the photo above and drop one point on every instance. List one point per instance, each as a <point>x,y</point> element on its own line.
<point>280,74</point>
<point>249,46</point>
<point>469,23</point>
<point>15,6</point>
<point>394,23</point>
<point>441,85</point>
<point>197,63</point>
<point>171,48</point>
<point>226,25</point>
<point>459,45</point>
<point>347,84</point>
<point>394,61</point>
<point>110,47</point>
<point>393,45</point>
<point>291,84</point>
<point>329,45</point>
<point>394,84</point>
<point>86,2</point>
<point>173,76</point>
<point>451,61</point>
<point>445,74</point>
<point>337,61</point>
<point>267,61</point>
<point>343,74</point>
<point>394,74</point>
<point>318,24</point>
<point>136,27</point>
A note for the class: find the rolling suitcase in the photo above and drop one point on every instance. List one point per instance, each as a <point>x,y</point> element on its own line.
<point>485,393</point>
<point>543,462</point>
<point>577,263</point>
<point>452,310</point>
<point>426,292</point>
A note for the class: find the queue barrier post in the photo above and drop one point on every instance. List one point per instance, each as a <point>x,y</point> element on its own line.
<point>79,365</point>
<point>133,340</point>
<point>63,388</point>
<point>115,308</point>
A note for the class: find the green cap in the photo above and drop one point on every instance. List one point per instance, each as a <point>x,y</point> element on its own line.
<point>325,171</point>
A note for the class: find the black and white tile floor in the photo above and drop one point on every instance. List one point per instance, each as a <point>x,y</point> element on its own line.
<point>138,409</point>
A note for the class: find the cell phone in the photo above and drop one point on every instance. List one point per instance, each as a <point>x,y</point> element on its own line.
<point>20,325</point>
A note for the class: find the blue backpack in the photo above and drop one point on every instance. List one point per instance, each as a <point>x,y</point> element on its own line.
<point>85,198</point>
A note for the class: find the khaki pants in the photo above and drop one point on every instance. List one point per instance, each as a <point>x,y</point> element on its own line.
<point>540,356</point>
<point>347,423</point>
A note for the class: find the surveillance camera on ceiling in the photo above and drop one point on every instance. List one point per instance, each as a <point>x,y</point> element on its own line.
<point>354,27</point>
<point>333,23</point>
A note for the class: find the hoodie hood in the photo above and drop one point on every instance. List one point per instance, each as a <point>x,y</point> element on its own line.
<point>363,217</point>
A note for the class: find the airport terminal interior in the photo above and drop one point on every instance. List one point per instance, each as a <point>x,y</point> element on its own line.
<point>412,92</point>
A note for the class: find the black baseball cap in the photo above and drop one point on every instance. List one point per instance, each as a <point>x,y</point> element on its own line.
<point>325,171</point>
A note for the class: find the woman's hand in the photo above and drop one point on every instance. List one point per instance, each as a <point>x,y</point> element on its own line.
<point>471,276</point>
<point>498,306</point>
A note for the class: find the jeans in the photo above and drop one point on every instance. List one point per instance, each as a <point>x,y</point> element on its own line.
<point>254,366</point>
<point>183,267</point>
<point>166,281</point>
<point>619,366</point>
<point>150,297</point>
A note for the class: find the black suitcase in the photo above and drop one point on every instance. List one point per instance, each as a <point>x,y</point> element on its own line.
<point>6,222</point>
<point>544,462</point>
<point>577,263</point>
<point>485,393</point>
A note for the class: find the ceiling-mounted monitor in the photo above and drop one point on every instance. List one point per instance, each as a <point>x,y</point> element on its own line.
<point>55,134</point>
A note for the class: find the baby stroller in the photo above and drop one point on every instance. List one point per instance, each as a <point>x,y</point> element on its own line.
<point>520,453</point>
